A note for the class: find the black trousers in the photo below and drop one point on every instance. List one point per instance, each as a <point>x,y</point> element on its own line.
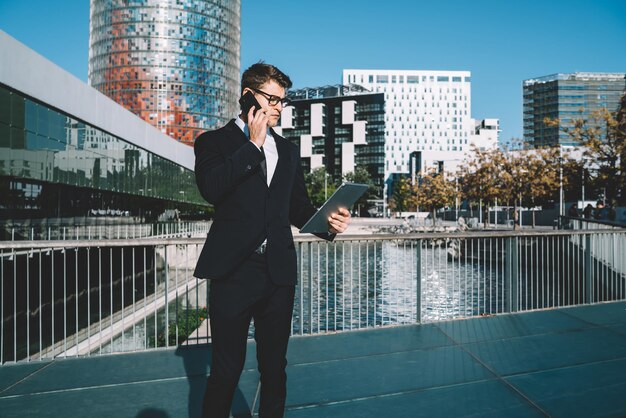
<point>248,294</point>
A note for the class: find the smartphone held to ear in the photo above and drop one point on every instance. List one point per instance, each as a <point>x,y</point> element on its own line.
<point>247,101</point>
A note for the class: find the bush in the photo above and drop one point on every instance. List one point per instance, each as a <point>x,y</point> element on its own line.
<point>182,326</point>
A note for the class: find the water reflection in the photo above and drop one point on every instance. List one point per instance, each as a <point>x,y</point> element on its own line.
<point>364,284</point>
<point>352,285</point>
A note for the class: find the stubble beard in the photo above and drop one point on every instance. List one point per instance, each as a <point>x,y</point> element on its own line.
<point>272,122</point>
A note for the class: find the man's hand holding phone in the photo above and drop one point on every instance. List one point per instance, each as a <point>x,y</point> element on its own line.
<point>256,118</point>
<point>257,125</point>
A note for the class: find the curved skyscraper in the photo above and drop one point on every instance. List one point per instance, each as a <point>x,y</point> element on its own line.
<point>174,63</point>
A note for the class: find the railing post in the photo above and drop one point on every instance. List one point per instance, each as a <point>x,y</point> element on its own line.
<point>511,270</point>
<point>310,288</point>
<point>167,311</point>
<point>588,274</point>
<point>418,281</point>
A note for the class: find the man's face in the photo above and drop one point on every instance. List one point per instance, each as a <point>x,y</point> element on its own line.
<point>270,91</point>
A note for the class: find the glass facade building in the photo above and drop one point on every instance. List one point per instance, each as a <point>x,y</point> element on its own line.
<point>567,97</point>
<point>53,165</point>
<point>174,63</point>
<point>70,155</point>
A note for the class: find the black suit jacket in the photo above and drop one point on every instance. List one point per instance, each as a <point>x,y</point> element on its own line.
<point>247,211</point>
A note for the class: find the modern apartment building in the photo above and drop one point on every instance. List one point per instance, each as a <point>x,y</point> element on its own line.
<point>567,97</point>
<point>174,63</point>
<point>339,127</point>
<point>425,111</point>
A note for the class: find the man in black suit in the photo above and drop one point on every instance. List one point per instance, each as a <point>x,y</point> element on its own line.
<point>254,179</point>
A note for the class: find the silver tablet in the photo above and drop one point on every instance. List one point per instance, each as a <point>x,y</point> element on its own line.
<point>344,197</point>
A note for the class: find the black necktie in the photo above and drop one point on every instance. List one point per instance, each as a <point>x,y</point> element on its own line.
<point>264,164</point>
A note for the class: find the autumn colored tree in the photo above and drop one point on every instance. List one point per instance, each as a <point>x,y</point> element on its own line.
<point>621,134</point>
<point>532,176</point>
<point>602,134</point>
<point>434,191</point>
<point>517,177</point>
<point>480,177</point>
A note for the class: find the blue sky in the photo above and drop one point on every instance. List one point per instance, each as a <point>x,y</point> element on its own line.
<point>500,42</point>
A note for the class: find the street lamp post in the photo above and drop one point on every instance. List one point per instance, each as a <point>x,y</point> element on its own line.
<point>456,197</point>
<point>385,200</point>
<point>480,205</point>
<point>561,203</point>
<point>583,186</point>
<point>325,186</point>
<point>140,204</point>
<point>496,214</point>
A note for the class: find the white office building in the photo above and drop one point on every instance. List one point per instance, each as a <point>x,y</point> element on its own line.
<point>486,133</point>
<point>426,111</point>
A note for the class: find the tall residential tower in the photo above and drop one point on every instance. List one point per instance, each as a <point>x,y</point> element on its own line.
<point>174,63</point>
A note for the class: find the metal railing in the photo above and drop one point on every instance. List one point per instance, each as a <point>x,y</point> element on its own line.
<point>584,223</point>
<point>111,230</point>
<point>74,298</point>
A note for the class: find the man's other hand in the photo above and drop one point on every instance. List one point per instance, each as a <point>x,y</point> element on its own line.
<point>339,221</point>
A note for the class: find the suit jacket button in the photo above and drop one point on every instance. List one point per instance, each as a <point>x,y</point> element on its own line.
<point>249,167</point>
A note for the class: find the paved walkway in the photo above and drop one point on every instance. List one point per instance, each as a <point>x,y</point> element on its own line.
<point>561,363</point>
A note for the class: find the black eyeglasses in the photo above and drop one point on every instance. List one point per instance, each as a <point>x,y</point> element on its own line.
<point>273,100</point>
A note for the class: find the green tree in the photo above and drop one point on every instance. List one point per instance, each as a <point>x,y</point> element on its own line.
<point>319,186</point>
<point>434,191</point>
<point>361,175</point>
<point>403,196</point>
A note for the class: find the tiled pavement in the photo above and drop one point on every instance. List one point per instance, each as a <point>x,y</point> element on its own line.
<point>568,362</point>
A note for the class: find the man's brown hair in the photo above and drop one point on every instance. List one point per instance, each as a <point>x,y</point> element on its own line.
<point>260,73</point>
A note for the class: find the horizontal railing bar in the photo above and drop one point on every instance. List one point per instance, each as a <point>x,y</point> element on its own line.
<point>32,245</point>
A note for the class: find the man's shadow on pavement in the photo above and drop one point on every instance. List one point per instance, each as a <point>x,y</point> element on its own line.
<point>196,359</point>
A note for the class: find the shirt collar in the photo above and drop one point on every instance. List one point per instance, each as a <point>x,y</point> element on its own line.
<point>242,125</point>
